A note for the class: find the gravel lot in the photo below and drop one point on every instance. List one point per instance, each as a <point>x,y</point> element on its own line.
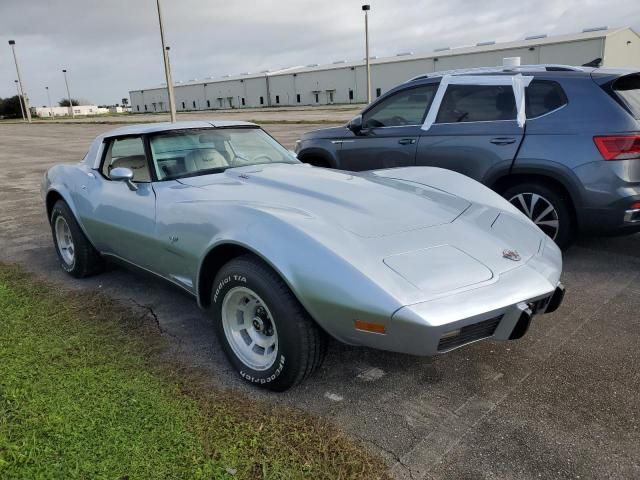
<point>563,402</point>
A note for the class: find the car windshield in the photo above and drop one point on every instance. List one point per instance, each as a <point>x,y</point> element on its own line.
<point>188,153</point>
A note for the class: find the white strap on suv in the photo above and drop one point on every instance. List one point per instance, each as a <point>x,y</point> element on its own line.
<point>518,82</point>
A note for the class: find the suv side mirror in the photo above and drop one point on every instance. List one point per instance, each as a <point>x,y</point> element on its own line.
<point>121,174</point>
<point>355,125</point>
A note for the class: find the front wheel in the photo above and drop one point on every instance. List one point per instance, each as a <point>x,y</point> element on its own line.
<point>267,335</point>
<point>547,208</point>
<point>76,254</point>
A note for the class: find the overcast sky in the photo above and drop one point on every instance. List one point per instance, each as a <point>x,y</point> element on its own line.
<point>112,46</point>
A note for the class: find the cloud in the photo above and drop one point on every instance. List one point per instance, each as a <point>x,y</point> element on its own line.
<point>112,47</point>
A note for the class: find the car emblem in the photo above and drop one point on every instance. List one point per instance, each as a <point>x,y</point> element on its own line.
<point>511,255</point>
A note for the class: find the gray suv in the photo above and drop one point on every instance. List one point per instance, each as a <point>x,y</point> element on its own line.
<point>566,152</point>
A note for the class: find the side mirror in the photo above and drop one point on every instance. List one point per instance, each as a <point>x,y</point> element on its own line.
<point>355,125</point>
<point>121,174</point>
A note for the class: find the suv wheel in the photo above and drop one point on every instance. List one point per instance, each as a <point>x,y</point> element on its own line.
<point>269,338</point>
<point>546,207</point>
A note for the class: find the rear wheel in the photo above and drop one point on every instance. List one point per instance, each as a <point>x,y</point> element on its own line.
<point>76,254</point>
<point>269,338</point>
<point>547,208</point>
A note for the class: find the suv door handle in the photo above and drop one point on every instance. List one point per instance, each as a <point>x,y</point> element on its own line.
<point>407,141</point>
<point>503,141</point>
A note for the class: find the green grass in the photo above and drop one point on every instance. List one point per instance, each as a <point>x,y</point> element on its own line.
<point>89,390</point>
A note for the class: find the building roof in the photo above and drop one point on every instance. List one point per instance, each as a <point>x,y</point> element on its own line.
<point>533,40</point>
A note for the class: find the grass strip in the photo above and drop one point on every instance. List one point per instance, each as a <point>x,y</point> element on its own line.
<point>89,390</point>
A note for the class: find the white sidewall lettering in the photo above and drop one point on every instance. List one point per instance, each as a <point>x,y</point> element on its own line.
<point>270,378</point>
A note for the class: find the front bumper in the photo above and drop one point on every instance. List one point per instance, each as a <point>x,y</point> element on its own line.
<point>500,311</point>
<point>508,323</point>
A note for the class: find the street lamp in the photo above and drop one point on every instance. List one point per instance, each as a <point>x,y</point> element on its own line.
<point>22,92</point>
<point>64,72</point>
<point>167,68</point>
<point>20,100</point>
<point>365,9</point>
<point>49,98</point>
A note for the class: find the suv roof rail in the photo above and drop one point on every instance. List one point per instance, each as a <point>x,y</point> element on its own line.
<point>526,68</point>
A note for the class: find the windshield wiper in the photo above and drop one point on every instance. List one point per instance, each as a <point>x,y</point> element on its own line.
<point>208,171</point>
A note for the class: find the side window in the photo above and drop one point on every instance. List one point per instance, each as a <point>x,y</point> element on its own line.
<point>477,103</point>
<point>128,153</point>
<point>544,96</point>
<point>404,108</point>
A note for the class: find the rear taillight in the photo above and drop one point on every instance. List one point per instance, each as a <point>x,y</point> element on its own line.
<point>618,147</point>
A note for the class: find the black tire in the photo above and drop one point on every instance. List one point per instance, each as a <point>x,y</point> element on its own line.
<point>565,233</point>
<point>316,162</point>
<point>86,259</point>
<point>301,343</point>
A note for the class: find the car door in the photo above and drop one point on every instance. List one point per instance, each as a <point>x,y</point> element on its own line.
<point>390,131</point>
<point>475,132</point>
<point>124,216</point>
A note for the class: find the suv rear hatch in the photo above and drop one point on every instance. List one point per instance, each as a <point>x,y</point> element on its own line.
<point>622,85</point>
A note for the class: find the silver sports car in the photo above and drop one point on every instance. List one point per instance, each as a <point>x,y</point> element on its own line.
<point>415,260</point>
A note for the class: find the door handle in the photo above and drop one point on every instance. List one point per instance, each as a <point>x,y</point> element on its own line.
<point>503,141</point>
<point>407,141</point>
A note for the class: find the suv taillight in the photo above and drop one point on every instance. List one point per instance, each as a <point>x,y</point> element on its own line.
<point>618,147</point>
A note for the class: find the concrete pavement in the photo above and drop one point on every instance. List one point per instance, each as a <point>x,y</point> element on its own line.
<point>563,402</point>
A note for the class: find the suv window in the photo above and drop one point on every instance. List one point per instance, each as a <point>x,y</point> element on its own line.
<point>408,107</point>
<point>128,153</point>
<point>628,89</point>
<point>543,96</point>
<point>477,103</point>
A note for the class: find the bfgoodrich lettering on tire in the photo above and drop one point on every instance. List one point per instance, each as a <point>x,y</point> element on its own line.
<point>267,335</point>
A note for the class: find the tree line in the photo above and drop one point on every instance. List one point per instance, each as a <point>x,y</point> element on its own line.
<point>10,106</point>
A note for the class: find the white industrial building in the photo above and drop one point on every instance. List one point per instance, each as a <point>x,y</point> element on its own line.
<point>345,82</point>
<point>79,110</point>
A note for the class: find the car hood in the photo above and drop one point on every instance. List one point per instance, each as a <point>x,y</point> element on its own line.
<point>363,204</point>
<point>332,132</point>
<point>437,230</point>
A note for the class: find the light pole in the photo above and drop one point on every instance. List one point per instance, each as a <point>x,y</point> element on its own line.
<point>64,72</point>
<point>365,9</point>
<point>49,98</point>
<point>20,100</point>
<point>167,68</point>
<point>22,92</point>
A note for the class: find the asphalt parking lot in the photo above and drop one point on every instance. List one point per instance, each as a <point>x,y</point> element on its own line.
<point>563,402</point>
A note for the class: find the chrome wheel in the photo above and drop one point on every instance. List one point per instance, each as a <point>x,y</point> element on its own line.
<point>64,241</point>
<point>539,210</point>
<point>249,328</point>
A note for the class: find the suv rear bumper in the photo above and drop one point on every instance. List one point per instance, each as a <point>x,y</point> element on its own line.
<point>617,219</point>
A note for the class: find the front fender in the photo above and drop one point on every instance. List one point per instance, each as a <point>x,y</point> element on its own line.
<point>55,183</point>
<point>330,287</point>
<point>64,181</point>
<point>319,149</point>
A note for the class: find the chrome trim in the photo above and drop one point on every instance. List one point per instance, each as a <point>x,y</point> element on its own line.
<point>493,121</point>
<point>474,121</point>
<point>548,113</point>
<point>629,214</point>
<point>397,126</point>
